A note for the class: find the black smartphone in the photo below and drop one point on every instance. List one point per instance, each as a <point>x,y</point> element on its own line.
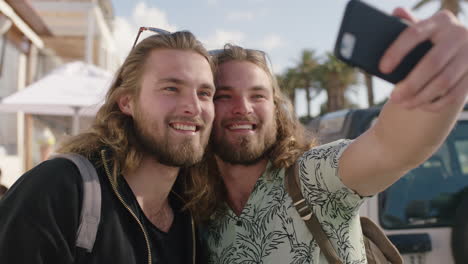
<point>364,36</point>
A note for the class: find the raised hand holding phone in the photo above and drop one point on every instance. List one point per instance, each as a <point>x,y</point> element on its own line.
<point>441,77</point>
<point>366,33</point>
<point>425,59</point>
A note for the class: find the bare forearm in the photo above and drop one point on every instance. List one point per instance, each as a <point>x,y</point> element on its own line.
<point>423,107</point>
<point>399,141</point>
<point>408,137</point>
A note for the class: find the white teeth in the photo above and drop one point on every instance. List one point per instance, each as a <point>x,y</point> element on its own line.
<point>184,127</point>
<point>247,127</point>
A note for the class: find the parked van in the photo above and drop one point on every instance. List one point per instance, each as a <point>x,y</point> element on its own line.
<point>425,213</point>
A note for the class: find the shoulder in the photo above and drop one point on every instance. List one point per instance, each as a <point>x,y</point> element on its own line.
<point>53,173</point>
<point>42,209</point>
<point>321,184</point>
<point>332,150</point>
<point>56,179</point>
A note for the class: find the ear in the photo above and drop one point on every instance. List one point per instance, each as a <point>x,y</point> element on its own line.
<point>125,103</point>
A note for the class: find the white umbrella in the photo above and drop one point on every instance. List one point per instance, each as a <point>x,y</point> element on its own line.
<point>74,89</point>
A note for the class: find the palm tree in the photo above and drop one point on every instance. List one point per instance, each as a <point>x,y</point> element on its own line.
<point>455,6</point>
<point>305,76</point>
<point>370,88</point>
<point>288,82</point>
<point>335,77</point>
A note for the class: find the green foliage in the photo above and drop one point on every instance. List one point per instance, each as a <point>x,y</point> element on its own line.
<point>455,6</point>
<point>317,74</point>
<point>334,72</point>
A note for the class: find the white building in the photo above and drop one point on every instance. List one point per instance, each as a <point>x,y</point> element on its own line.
<point>39,36</point>
<point>21,54</point>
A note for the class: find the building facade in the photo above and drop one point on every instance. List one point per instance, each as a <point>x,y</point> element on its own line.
<point>36,36</point>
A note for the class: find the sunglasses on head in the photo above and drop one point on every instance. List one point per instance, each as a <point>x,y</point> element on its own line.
<point>213,53</point>
<point>217,52</point>
<point>153,29</point>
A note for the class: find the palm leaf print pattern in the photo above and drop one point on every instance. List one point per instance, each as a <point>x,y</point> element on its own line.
<point>269,230</point>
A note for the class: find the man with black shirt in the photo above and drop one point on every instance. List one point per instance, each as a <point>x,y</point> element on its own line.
<point>156,118</point>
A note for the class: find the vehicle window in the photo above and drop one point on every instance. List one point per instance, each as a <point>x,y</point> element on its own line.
<point>462,148</point>
<point>428,195</point>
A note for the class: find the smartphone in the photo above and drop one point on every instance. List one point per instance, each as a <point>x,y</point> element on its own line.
<point>366,33</point>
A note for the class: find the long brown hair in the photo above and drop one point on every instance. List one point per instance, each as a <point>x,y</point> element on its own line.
<point>291,141</point>
<point>114,130</point>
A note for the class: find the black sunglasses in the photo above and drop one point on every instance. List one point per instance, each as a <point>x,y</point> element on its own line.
<point>213,53</point>
<point>153,29</point>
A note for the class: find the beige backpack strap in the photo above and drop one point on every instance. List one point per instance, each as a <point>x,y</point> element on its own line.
<point>311,221</point>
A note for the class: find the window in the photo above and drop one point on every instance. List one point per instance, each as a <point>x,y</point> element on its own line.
<point>427,195</point>
<point>462,147</point>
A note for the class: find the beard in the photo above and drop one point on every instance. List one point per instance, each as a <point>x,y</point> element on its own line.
<point>184,153</point>
<point>246,149</point>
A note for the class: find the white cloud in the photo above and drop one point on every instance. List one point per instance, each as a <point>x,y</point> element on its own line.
<point>278,68</point>
<point>222,37</point>
<point>124,35</point>
<point>240,16</point>
<point>271,42</point>
<point>125,29</point>
<point>151,16</point>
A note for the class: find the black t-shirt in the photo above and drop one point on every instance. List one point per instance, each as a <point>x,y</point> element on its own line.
<point>172,247</point>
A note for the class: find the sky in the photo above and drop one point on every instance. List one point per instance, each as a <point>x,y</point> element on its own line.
<point>281,28</point>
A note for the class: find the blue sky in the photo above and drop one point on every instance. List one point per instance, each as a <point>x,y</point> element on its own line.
<point>282,28</point>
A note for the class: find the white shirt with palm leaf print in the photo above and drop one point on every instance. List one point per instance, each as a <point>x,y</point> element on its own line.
<point>269,229</point>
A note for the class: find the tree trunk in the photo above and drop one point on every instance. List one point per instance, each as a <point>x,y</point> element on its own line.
<point>370,89</point>
<point>333,98</point>
<point>292,97</point>
<point>335,93</point>
<point>308,99</point>
<point>341,95</point>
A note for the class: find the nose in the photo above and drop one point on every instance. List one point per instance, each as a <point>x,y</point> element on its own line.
<point>191,104</point>
<point>241,106</point>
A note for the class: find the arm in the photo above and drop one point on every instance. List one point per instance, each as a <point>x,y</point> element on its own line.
<point>39,215</point>
<point>422,109</point>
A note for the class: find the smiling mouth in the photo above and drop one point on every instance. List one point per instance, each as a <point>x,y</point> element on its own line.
<point>242,127</point>
<point>185,127</point>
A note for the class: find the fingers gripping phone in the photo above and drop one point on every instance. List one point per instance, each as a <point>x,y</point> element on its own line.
<point>366,33</point>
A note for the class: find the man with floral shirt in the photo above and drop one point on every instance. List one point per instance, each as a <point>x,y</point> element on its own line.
<point>255,137</point>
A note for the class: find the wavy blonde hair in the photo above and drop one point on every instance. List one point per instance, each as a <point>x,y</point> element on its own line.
<point>209,194</point>
<point>112,129</point>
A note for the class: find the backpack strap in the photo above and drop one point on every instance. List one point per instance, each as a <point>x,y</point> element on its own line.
<point>311,221</point>
<point>91,207</point>
<point>375,237</point>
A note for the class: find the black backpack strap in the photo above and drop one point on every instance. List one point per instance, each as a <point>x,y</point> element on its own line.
<point>311,221</point>
<point>91,207</point>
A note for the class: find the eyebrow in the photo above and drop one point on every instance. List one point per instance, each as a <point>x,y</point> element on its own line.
<point>259,88</point>
<point>172,80</point>
<point>253,88</point>
<point>182,82</point>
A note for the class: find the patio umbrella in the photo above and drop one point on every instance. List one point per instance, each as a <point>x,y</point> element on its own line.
<point>74,89</point>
